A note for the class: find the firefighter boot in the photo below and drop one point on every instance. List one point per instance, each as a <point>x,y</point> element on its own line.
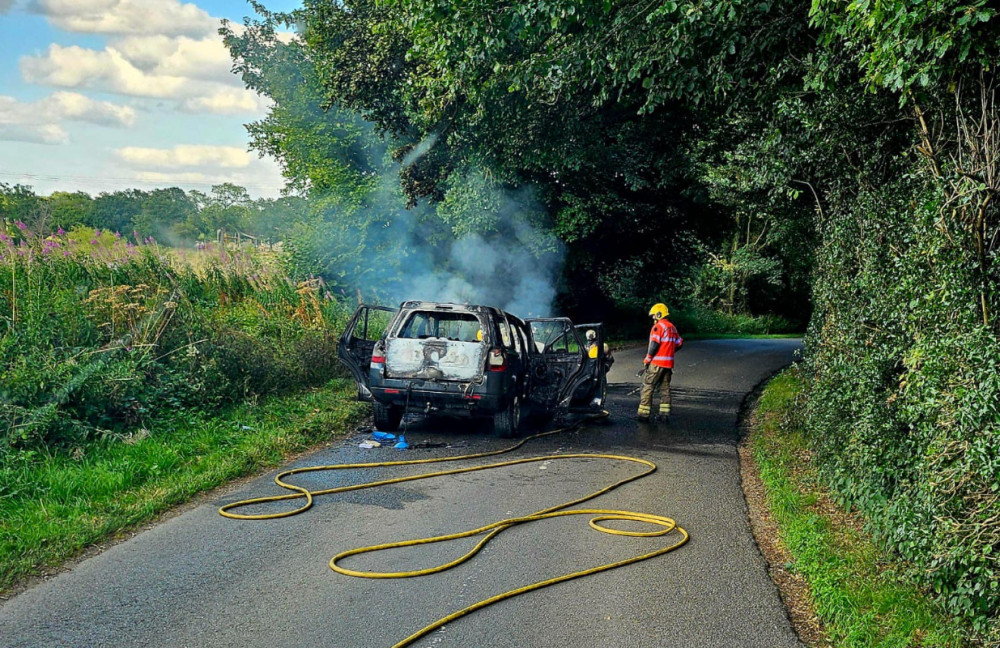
<point>643,414</point>
<point>664,416</point>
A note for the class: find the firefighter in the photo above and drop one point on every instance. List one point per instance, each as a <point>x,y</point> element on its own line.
<point>658,367</point>
<point>592,350</point>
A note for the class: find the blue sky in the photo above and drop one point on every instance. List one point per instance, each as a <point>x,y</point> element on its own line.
<point>100,95</point>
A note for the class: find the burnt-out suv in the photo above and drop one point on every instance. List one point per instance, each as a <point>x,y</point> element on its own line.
<point>465,360</point>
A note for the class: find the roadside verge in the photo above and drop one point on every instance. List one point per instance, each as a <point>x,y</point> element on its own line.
<point>839,587</point>
<point>57,506</point>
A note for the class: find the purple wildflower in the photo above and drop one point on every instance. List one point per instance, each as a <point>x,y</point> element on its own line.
<point>93,241</point>
<point>60,231</point>
<point>21,226</point>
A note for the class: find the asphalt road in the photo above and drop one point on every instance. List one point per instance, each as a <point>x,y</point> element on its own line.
<point>202,580</point>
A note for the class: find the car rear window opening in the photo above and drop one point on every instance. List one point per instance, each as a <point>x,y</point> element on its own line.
<point>458,327</point>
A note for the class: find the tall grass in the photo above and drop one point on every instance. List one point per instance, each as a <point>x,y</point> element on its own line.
<point>99,333</point>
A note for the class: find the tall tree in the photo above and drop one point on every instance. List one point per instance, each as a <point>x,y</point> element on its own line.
<point>70,209</point>
<point>116,211</point>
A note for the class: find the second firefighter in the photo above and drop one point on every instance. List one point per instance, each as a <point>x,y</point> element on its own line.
<point>664,340</point>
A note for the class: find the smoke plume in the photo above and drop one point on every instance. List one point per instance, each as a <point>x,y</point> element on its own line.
<point>483,244</point>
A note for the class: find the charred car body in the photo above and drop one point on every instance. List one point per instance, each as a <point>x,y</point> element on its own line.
<point>466,360</point>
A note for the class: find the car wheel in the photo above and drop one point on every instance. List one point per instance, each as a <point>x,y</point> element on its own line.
<point>387,417</point>
<point>507,421</point>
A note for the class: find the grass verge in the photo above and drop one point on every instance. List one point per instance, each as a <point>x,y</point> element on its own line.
<point>55,505</point>
<point>860,597</point>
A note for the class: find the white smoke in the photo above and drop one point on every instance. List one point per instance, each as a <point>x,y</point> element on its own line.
<point>499,272</point>
<point>483,244</point>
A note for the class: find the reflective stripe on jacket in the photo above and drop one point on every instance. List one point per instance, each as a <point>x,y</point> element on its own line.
<point>664,340</point>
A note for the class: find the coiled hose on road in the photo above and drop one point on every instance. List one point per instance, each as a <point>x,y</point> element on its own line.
<point>667,525</point>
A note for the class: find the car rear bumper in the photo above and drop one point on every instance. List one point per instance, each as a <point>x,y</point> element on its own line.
<point>439,396</point>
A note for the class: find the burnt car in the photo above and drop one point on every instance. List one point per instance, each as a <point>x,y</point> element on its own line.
<point>471,361</point>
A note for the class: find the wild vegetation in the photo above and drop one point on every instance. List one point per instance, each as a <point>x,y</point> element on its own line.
<point>862,598</point>
<point>102,334</point>
<point>130,374</point>
<point>754,163</point>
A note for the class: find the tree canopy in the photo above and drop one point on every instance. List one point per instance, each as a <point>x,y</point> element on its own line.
<point>834,160</point>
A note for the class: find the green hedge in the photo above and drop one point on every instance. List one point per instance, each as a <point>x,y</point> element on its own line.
<point>904,399</point>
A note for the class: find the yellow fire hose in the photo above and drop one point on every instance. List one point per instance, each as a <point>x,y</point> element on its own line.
<point>666,524</point>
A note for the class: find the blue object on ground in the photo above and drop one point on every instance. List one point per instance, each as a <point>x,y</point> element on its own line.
<point>383,436</point>
<point>402,445</point>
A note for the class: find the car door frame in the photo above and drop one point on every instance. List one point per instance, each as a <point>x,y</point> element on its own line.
<point>544,364</point>
<point>594,367</point>
<point>356,352</point>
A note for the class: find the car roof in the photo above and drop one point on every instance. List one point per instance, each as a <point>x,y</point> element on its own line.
<point>448,307</point>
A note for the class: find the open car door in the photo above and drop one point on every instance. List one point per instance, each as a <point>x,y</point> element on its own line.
<point>359,338</point>
<point>593,389</point>
<point>558,362</point>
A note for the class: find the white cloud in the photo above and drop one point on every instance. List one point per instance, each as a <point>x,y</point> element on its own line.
<point>39,121</point>
<point>194,73</point>
<point>71,105</point>
<point>159,49</point>
<point>205,59</point>
<point>78,67</point>
<point>185,156</point>
<point>226,101</point>
<point>34,133</point>
<point>161,17</point>
<point>259,176</point>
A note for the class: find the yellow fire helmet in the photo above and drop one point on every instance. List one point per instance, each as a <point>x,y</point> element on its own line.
<point>659,310</point>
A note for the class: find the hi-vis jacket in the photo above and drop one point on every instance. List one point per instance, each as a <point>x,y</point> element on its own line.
<point>664,340</point>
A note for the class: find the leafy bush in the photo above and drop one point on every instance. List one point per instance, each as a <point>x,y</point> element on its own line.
<point>696,318</point>
<point>904,397</point>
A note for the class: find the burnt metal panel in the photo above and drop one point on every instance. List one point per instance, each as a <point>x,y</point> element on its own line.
<point>434,359</point>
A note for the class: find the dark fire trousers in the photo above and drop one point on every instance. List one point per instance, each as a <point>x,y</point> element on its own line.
<point>655,379</point>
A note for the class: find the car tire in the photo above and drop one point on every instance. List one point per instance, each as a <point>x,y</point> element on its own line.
<point>507,422</point>
<point>387,417</point>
